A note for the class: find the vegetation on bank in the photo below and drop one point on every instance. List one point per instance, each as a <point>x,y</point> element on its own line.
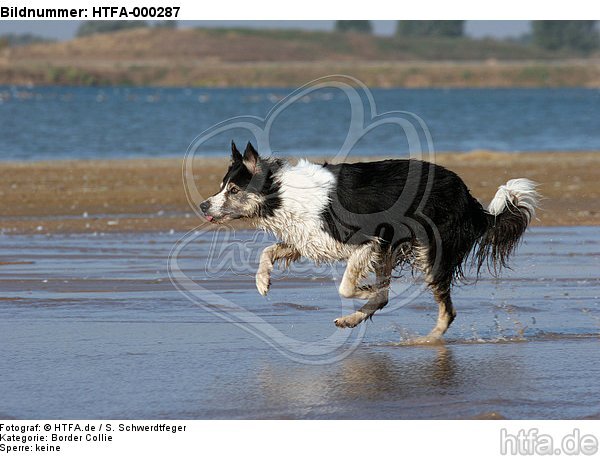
<point>20,39</point>
<point>581,37</point>
<point>166,56</point>
<point>449,29</point>
<point>94,27</point>
<point>413,75</point>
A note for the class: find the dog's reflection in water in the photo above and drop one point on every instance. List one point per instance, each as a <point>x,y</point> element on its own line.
<point>363,376</point>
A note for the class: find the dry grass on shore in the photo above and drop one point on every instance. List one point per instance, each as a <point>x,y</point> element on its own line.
<point>277,58</point>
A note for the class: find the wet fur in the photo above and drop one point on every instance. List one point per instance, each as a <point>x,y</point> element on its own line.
<point>375,216</point>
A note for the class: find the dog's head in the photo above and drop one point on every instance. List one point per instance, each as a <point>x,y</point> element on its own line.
<point>247,190</point>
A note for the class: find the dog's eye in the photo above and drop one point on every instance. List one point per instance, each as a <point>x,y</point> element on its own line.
<point>234,190</point>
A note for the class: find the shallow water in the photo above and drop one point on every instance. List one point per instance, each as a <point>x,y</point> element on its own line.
<point>92,122</point>
<point>92,327</point>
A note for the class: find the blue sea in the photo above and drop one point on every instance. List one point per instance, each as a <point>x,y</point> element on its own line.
<point>45,123</point>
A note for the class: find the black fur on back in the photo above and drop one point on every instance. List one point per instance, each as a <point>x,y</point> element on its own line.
<point>422,205</point>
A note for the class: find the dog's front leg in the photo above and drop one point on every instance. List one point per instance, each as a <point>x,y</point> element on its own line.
<point>268,257</point>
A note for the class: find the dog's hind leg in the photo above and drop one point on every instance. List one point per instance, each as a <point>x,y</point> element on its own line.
<point>268,257</point>
<point>359,264</point>
<point>378,301</point>
<point>446,312</point>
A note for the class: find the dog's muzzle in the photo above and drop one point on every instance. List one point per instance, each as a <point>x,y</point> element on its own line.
<point>204,207</point>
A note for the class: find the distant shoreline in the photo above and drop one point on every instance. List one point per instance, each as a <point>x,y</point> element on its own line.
<point>147,195</point>
<point>217,157</point>
<point>385,74</point>
<point>288,58</point>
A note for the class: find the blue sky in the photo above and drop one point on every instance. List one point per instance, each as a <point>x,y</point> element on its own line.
<point>63,30</point>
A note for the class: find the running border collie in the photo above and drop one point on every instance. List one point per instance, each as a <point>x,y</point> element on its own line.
<point>376,216</point>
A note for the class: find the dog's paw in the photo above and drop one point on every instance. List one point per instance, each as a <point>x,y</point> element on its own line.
<point>362,292</point>
<point>430,339</point>
<point>263,282</point>
<point>350,321</point>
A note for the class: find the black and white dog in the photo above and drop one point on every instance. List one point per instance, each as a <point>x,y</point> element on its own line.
<point>376,216</point>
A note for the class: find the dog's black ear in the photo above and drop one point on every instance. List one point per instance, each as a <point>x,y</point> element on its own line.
<point>235,153</point>
<point>251,157</point>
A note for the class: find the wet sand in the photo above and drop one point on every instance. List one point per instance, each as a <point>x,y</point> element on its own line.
<point>148,195</point>
<point>92,327</point>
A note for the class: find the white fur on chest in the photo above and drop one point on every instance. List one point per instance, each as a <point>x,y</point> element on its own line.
<point>304,193</point>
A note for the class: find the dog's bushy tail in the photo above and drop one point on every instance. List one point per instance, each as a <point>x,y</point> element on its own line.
<point>508,216</point>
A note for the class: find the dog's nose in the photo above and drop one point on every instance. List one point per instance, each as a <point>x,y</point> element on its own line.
<point>204,206</point>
